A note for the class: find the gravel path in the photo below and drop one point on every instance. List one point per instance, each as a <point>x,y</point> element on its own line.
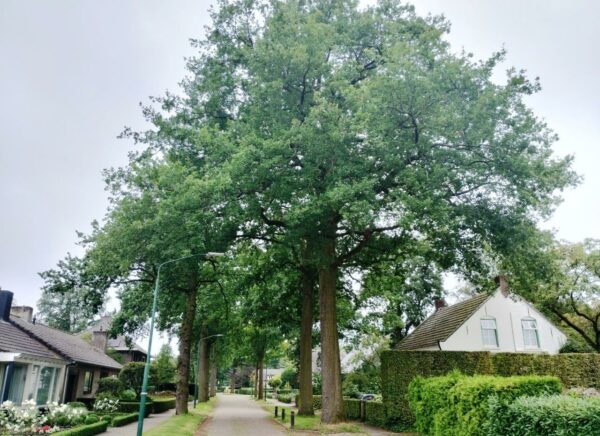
<point>239,415</point>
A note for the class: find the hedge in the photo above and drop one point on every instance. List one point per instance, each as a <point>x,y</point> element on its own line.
<point>134,406</point>
<point>545,416</point>
<point>459,405</point>
<point>351,408</point>
<point>160,405</point>
<point>285,398</point>
<point>398,368</point>
<point>122,420</point>
<point>375,413</point>
<point>85,430</point>
<point>316,401</point>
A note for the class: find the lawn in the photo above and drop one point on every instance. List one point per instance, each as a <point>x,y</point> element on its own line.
<point>312,423</point>
<point>184,425</point>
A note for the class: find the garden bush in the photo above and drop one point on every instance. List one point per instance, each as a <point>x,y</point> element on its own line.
<point>105,402</point>
<point>285,398</point>
<point>110,385</point>
<point>85,430</point>
<point>351,408</point>
<point>544,416</point>
<point>245,391</point>
<point>134,406</point>
<point>128,395</point>
<point>317,403</point>
<point>122,420</point>
<point>91,418</point>
<point>375,413</point>
<point>162,404</point>
<point>458,405</point>
<point>76,404</point>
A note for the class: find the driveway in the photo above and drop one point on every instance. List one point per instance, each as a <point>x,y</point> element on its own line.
<point>239,415</point>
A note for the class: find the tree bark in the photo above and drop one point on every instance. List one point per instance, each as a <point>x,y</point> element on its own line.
<point>212,390</point>
<point>256,381</point>
<point>260,378</point>
<point>203,371</point>
<point>185,346</point>
<point>305,368</point>
<point>333,406</point>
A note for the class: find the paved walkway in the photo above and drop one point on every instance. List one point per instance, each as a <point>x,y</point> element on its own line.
<point>131,429</point>
<point>239,415</point>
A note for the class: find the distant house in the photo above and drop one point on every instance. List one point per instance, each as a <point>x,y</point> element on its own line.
<point>121,346</point>
<point>500,322</point>
<point>43,364</point>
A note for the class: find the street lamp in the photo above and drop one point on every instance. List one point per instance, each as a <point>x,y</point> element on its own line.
<point>144,393</point>
<point>218,335</point>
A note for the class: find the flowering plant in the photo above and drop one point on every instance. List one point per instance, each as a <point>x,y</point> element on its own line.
<point>28,420</point>
<point>106,404</point>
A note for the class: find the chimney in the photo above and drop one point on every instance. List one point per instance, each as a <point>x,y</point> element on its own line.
<point>100,339</point>
<point>6,298</point>
<point>23,312</point>
<point>502,283</point>
<point>439,303</point>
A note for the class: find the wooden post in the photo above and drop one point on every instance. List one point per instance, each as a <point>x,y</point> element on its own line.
<point>292,419</point>
<point>276,411</point>
<point>282,414</point>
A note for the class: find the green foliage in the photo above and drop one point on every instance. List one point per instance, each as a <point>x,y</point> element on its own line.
<point>458,405</point>
<point>285,398</point>
<point>128,395</point>
<point>91,418</point>
<point>275,382</point>
<point>350,389</point>
<point>85,430</point>
<point>375,413</point>
<point>351,408</point>
<point>576,345</point>
<point>399,368</point>
<point>289,376</point>
<point>77,404</point>
<point>245,391</point>
<point>122,420</point>
<point>164,366</point>
<point>163,404</point>
<point>132,376</point>
<point>134,406</point>
<point>110,385</point>
<point>544,416</point>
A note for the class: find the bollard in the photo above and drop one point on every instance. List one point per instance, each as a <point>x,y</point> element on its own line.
<point>276,411</point>
<point>292,419</point>
<point>282,414</point>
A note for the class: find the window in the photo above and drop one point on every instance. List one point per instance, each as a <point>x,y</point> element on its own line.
<point>88,380</point>
<point>46,385</point>
<point>489,333</point>
<point>531,338</point>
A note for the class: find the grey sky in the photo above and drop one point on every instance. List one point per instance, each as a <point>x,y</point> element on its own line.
<point>73,72</point>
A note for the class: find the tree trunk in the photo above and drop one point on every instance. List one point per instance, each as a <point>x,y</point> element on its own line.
<point>260,377</point>
<point>212,390</point>
<point>185,345</point>
<point>203,371</point>
<point>232,380</point>
<point>256,381</point>
<point>332,407</point>
<point>306,322</point>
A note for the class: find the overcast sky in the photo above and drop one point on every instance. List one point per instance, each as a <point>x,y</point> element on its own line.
<point>72,74</point>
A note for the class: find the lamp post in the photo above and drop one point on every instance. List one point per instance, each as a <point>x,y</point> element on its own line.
<point>218,335</point>
<point>144,394</point>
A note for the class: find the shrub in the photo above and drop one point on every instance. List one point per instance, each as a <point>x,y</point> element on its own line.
<point>352,408</point>
<point>128,395</point>
<point>76,404</point>
<point>246,391</point>
<point>375,413</point>
<point>91,418</point>
<point>275,382</point>
<point>289,376</point>
<point>110,385</point>
<point>317,404</point>
<point>456,404</point>
<point>122,420</point>
<point>350,390</point>
<point>106,403</point>
<point>162,404</point>
<point>285,398</point>
<point>85,430</point>
<point>544,416</point>
<point>132,376</point>
<point>134,406</point>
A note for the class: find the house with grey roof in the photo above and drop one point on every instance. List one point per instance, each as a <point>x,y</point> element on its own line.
<point>126,350</point>
<point>498,322</point>
<point>44,364</point>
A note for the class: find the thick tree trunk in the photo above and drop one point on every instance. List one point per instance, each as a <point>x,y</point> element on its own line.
<point>185,345</point>
<point>203,371</point>
<point>232,380</point>
<point>212,390</point>
<point>256,381</point>
<point>306,322</point>
<point>333,406</point>
<point>260,378</point>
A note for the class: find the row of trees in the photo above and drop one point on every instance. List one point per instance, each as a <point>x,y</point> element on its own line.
<point>343,157</point>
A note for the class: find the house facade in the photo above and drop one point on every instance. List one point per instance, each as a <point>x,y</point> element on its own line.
<point>500,322</point>
<point>44,364</point>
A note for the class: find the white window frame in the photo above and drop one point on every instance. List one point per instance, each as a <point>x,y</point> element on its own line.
<point>536,330</point>
<point>484,329</point>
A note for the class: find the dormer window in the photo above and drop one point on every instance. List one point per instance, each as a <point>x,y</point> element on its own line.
<point>531,338</point>
<point>489,332</point>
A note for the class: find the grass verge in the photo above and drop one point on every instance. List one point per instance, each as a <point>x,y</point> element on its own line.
<point>184,425</point>
<point>312,423</point>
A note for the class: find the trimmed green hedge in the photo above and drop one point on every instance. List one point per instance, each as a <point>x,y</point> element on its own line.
<point>545,416</point>
<point>375,413</point>
<point>285,398</point>
<point>459,405</point>
<point>160,405</point>
<point>317,403</point>
<point>245,391</point>
<point>122,420</point>
<point>134,406</point>
<point>351,408</point>
<point>398,368</point>
<point>85,430</point>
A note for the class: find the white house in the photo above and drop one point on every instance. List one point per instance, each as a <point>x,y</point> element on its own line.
<point>498,322</point>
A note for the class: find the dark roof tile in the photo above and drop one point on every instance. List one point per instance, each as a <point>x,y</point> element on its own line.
<point>15,340</point>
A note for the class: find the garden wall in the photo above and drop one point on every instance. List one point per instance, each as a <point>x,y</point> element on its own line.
<point>398,368</point>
